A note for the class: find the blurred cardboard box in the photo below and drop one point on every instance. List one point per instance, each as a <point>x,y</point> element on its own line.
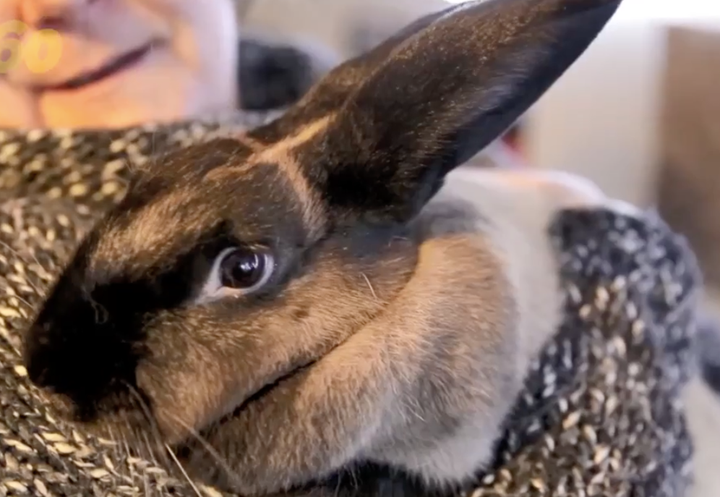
<point>688,181</point>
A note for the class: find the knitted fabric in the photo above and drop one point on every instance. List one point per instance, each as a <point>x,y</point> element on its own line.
<point>600,413</point>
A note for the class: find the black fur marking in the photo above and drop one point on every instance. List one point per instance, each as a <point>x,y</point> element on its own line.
<point>87,340</point>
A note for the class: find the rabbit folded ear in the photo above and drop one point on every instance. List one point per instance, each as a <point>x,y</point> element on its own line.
<point>380,132</point>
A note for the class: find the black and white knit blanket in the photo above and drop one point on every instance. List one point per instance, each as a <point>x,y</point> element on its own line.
<point>600,414</point>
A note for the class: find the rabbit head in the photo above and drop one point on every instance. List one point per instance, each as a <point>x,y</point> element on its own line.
<point>281,305</point>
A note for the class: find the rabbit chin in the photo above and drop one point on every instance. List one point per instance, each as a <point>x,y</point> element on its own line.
<point>132,425</point>
<point>208,464</point>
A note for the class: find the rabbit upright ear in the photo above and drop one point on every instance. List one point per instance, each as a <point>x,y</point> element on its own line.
<point>381,131</point>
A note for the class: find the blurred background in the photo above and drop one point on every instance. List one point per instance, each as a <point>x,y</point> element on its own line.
<point>639,114</point>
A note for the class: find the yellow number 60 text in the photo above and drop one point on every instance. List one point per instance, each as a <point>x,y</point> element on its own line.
<point>39,50</point>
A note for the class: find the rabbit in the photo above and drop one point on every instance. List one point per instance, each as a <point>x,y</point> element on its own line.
<point>330,288</point>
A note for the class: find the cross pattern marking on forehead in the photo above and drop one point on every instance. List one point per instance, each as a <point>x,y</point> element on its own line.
<point>282,154</point>
<point>148,231</point>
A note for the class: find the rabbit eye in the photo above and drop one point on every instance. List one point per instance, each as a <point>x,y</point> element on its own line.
<point>243,268</point>
<point>237,271</point>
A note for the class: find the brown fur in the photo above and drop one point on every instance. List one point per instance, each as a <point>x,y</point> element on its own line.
<point>401,315</point>
<point>459,316</point>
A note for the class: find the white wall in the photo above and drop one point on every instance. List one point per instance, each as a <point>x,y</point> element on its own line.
<point>601,118</point>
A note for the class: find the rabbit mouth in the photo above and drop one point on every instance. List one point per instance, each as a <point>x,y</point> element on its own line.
<point>204,461</point>
<point>267,390</point>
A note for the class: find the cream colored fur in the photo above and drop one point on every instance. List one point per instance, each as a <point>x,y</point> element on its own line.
<point>509,233</point>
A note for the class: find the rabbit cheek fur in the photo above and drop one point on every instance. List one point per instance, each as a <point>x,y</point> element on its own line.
<point>391,328</point>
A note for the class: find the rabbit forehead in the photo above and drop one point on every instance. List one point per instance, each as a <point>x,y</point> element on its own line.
<point>257,205</point>
<point>175,203</point>
<point>287,155</point>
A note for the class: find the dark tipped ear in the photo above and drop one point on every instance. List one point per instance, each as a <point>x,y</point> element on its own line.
<point>405,114</point>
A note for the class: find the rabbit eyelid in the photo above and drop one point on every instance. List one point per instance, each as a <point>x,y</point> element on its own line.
<point>235,272</point>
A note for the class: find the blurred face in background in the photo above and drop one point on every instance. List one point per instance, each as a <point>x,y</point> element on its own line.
<point>115,63</point>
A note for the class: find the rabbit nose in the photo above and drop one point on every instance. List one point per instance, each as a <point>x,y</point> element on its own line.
<point>69,352</point>
<point>33,356</point>
<point>53,363</point>
<point>40,375</point>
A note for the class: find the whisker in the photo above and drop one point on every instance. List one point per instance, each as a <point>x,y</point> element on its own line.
<point>116,450</point>
<point>24,259</point>
<point>19,223</point>
<point>124,448</point>
<point>146,483</point>
<point>206,445</point>
<point>131,167</point>
<point>20,299</point>
<point>372,290</point>
<point>98,308</point>
<point>154,430</point>
<point>354,476</point>
<point>182,470</point>
<point>151,454</point>
<point>128,454</point>
<point>338,486</point>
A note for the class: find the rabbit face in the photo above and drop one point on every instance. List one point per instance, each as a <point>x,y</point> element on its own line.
<point>269,305</point>
<point>149,309</point>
